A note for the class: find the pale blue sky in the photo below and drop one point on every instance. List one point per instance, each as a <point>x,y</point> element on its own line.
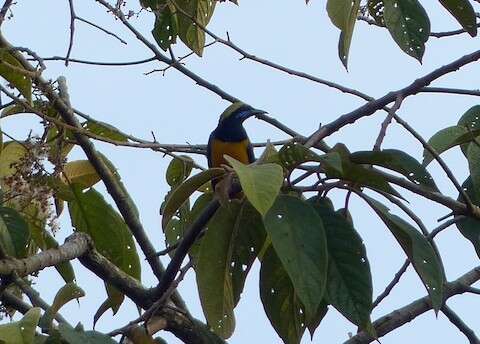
<point>178,111</point>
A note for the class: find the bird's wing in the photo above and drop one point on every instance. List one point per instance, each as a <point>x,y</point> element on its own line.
<point>209,150</point>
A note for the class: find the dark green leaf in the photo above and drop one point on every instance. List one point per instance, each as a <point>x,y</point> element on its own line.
<point>15,77</point>
<point>443,140</point>
<point>463,11</point>
<point>281,304</point>
<point>183,192</point>
<point>473,157</point>
<point>470,227</point>
<point>213,270</point>
<point>398,161</point>
<point>349,282</point>
<point>90,214</point>
<point>375,9</point>
<point>18,229</point>
<point>471,121</point>
<point>165,30</point>
<point>248,239</point>
<point>260,183</point>
<point>298,237</point>
<point>418,249</point>
<point>408,23</point>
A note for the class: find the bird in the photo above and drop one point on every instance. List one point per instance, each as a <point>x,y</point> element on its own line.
<point>230,138</point>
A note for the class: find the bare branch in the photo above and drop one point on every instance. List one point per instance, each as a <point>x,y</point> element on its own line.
<point>458,322</point>
<point>399,317</point>
<point>4,10</point>
<point>386,122</point>
<point>375,105</point>
<point>392,284</point>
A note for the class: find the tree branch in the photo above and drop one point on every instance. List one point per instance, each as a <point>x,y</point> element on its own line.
<point>400,317</point>
<point>458,322</point>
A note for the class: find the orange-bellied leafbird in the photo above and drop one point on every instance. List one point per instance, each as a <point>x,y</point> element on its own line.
<point>230,137</point>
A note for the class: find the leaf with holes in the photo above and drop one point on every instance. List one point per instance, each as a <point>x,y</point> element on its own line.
<point>192,16</point>
<point>398,161</point>
<point>91,214</point>
<point>280,302</point>
<point>470,227</point>
<point>349,281</point>
<point>80,172</point>
<point>471,121</point>
<point>248,239</point>
<point>213,270</point>
<point>408,23</point>
<point>443,140</point>
<point>260,183</point>
<point>165,30</point>
<point>182,193</point>
<point>463,12</point>
<point>298,237</point>
<point>418,249</point>
<point>375,10</point>
<point>11,70</point>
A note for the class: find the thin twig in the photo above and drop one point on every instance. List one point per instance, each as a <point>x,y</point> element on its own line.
<point>100,28</point>
<point>386,123</point>
<point>4,10</point>
<point>72,30</point>
<point>392,284</point>
<point>462,327</point>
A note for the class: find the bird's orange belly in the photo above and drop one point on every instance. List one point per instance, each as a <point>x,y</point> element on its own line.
<point>237,150</point>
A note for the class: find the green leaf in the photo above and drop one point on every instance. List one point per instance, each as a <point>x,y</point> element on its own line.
<point>408,23</point>
<point>248,239</point>
<point>473,157</point>
<point>294,154</point>
<point>23,331</point>
<point>18,230</point>
<point>11,154</point>
<point>165,30</point>
<point>189,32</point>
<point>182,193</point>
<point>464,13</point>
<point>213,271</point>
<point>418,249</point>
<point>349,282</point>
<point>470,227</point>
<point>15,77</point>
<point>80,172</point>
<point>346,35</point>
<point>281,304</point>
<point>398,161</point>
<point>105,130</point>
<point>298,237</point>
<point>471,121</point>
<point>78,336</point>
<point>90,214</point>
<point>313,323</point>
<point>67,293</point>
<point>178,170</point>
<point>339,12</point>
<point>260,183</point>
<point>443,140</point>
